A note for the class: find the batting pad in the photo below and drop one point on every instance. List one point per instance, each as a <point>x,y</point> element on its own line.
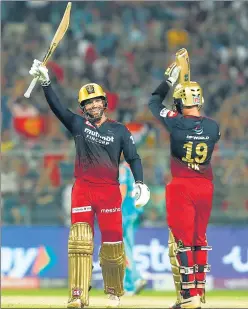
<point>112,260</point>
<point>174,264</point>
<point>80,251</point>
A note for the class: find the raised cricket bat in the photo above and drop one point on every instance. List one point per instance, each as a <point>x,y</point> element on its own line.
<point>63,26</point>
<point>182,60</point>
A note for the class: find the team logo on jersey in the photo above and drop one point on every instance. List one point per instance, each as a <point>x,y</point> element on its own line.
<point>164,112</point>
<point>172,114</point>
<point>90,89</point>
<point>198,129</point>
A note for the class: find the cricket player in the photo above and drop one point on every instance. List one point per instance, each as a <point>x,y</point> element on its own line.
<point>189,195</point>
<point>133,282</point>
<point>99,144</point>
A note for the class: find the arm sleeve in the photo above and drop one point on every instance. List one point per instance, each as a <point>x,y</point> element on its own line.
<point>131,156</point>
<point>163,114</point>
<point>62,113</point>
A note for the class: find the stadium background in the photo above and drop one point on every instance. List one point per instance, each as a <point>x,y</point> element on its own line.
<point>125,47</point>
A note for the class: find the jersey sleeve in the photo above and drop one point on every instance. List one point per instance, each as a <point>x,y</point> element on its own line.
<point>167,117</point>
<point>131,155</point>
<point>62,113</point>
<point>218,134</point>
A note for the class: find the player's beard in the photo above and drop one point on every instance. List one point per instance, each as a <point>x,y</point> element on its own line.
<point>96,116</point>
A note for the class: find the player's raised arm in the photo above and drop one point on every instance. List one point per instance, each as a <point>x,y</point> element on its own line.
<point>160,93</point>
<point>63,114</point>
<point>141,191</point>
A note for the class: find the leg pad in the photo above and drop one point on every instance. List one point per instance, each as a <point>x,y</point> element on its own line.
<point>112,261</point>
<point>175,267</point>
<point>80,251</point>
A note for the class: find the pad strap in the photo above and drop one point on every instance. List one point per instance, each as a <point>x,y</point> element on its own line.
<point>202,268</point>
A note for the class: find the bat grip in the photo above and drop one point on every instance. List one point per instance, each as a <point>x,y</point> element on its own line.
<point>31,87</point>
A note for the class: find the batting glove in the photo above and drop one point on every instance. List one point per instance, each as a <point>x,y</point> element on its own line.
<point>141,193</point>
<point>172,73</point>
<point>38,70</point>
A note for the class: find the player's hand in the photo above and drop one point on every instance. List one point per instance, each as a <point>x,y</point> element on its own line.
<point>172,74</point>
<point>141,193</point>
<point>38,70</point>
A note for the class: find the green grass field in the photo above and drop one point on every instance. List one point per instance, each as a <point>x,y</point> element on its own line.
<point>57,298</point>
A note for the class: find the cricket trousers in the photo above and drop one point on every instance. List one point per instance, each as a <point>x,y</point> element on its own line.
<point>102,201</point>
<point>188,207</point>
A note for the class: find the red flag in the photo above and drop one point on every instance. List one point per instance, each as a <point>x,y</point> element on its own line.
<point>30,127</point>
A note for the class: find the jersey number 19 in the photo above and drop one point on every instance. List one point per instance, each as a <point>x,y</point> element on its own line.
<point>201,150</point>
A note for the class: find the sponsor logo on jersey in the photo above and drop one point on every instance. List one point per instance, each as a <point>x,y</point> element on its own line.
<point>197,137</point>
<point>164,112</point>
<point>94,136</point>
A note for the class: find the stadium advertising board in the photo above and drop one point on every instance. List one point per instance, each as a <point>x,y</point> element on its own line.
<point>37,256</point>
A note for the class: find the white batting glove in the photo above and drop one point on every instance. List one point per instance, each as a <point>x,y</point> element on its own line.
<point>38,70</point>
<point>141,193</point>
<point>172,72</point>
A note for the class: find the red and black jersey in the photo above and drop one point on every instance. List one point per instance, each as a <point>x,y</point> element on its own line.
<point>98,149</point>
<point>192,139</point>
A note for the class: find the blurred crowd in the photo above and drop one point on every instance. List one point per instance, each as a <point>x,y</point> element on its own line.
<point>125,47</point>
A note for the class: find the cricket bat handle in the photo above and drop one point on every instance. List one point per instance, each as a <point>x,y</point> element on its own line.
<point>31,87</point>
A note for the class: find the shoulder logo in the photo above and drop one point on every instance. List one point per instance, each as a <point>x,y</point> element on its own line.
<point>164,112</point>
<point>172,114</point>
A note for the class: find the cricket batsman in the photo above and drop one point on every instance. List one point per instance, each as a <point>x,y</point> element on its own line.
<point>133,282</point>
<point>99,143</point>
<point>189,195</point>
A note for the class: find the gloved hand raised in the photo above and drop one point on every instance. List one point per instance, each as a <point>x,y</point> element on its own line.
<point>172,74</point>
<point>141,193</point>
<point>40,71</point>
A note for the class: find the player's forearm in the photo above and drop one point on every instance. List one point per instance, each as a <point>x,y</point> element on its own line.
<point>157,98</point>
<point>137,169</point>
<point>162,90</point>
<point>63,114</point>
